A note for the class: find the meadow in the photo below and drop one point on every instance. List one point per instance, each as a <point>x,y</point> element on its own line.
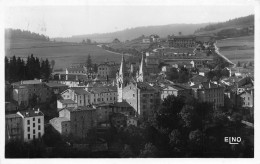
<point>237,49</point>
<point>63,53</point>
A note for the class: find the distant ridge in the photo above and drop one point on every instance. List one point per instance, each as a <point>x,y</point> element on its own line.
<point>132,33</point>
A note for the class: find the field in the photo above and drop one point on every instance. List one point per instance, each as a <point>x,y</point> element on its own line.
<point>62,53</point>
<point>237,49</point>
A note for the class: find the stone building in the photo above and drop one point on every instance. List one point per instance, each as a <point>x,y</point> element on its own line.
<point>33,124</point>
<point>182,41</point>
<point>209,92</point>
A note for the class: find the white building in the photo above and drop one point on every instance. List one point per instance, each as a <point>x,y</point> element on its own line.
<point>33,124</point>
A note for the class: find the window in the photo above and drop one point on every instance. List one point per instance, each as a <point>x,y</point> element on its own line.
<point>28,136</point>
<point>33,131</point>
<point>33,124</point>
<point>33,119</point>
<point>28,121</point>
<point>33,136</point>
<point>28,129</point>
<point>39,120</point>
<point>39,127</point>
<point>39,134</point>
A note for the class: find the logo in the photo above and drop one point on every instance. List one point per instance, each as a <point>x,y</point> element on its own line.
<point>232,140</point>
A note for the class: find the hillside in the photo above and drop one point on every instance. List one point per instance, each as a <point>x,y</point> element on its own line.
<point>64,53</point>
<point>237,27</point>
<point>132,33</point>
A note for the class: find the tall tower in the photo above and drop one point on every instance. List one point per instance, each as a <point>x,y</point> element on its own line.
<point>121,79</point>
<point>142,73</point>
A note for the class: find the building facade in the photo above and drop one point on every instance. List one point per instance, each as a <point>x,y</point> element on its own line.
<point>33,124</point>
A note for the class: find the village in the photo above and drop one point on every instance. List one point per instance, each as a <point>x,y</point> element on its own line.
<point>82,101</point>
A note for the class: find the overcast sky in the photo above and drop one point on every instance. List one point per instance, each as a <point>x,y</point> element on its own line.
<point>65,21</point>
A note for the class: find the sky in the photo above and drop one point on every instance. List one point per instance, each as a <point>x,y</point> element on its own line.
<point>65,21</point>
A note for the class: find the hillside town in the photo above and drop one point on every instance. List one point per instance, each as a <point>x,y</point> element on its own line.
<point>169,86</point>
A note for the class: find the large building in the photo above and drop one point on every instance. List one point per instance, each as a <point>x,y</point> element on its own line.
<point>107,70</point>
<point>23,91</point>
<point>81,120</point>
<point>247,98</point>
<point>182,41</point>
<point>33,124</point>
<point>209,92</point>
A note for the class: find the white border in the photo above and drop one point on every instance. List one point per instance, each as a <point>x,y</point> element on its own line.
<point>7,3</point>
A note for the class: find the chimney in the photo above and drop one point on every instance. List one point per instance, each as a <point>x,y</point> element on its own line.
<point>66,76</point>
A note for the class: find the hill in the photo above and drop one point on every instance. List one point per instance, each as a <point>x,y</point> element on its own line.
<point>64,53</point>
<point>132,33</point>
<point>237,27</point>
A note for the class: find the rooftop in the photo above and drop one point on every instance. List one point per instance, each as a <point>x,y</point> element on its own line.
<point>31,113</point>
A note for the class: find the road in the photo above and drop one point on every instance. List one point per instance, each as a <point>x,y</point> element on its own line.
<point>224,57</point>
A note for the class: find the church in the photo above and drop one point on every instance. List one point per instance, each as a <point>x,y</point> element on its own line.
<point>135,90</point>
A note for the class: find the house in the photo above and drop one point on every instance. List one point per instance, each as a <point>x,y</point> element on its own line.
<point>23,91</point>
<point>209,92</point>
<point>142,97</point>
<point>33,124</point>
<point>56,88</point>
<point>13,127</point>
<point>77,94</point>
<point>175,90</point>
<point>107,70</point>
<point>82,119</point>
<point>104,111</point>
<point>66,103</point>
<point>21,95</point>
<point>247,98</point>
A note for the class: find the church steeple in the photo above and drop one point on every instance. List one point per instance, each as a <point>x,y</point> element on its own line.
<point>121,79</point>
<point>122,69</point>
<point>141,75</point>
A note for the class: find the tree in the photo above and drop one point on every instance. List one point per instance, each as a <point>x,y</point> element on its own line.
<point>127,152</point>
<point>89,62</point>
<point>149,151</point>
<point>238,64</point>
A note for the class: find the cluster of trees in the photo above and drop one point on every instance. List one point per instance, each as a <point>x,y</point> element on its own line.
<point>245,65</point>
<point>247,20</point>
<point>181,75</point>
<point>16,69</point>
<point>17,33</point>
<point>182,127</point>
<point>215,75</point>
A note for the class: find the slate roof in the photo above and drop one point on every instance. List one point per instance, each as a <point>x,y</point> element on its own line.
<point>31,113</point>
